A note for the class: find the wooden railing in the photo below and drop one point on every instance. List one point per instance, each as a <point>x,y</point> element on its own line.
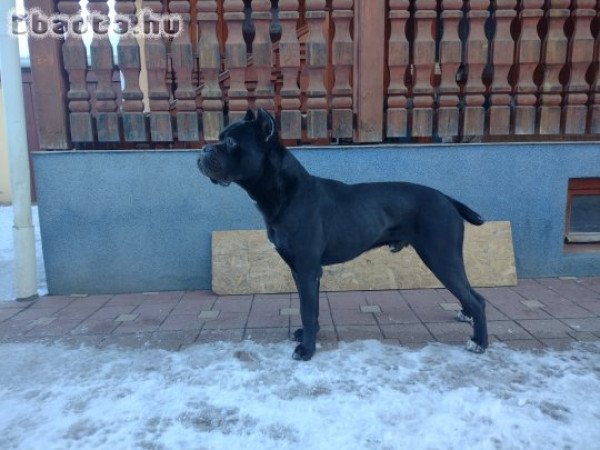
<point>334,71</point>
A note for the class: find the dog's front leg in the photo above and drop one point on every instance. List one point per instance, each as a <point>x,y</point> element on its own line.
<point>307,283</point>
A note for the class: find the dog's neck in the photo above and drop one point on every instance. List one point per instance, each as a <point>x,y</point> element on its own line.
<point>277,183</point>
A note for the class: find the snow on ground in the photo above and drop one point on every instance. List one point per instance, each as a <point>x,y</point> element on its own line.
<point>363,395</point>
<point>7,269</point>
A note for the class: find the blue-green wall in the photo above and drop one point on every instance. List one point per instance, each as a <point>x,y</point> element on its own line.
<point>141,221</point>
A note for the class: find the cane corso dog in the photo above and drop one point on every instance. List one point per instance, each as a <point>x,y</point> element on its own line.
<point>315,221</point>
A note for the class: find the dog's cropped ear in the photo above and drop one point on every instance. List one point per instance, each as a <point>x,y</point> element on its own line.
<point>266,124</point>
<point>249,115</point>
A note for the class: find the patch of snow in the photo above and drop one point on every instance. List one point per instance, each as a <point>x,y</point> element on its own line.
<point>363,395</point>
<point>7,269</point>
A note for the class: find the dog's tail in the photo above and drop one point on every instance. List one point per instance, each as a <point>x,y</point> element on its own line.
<point>467,213</point>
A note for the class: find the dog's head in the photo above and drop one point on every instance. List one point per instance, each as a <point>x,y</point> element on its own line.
<point>242,149</point>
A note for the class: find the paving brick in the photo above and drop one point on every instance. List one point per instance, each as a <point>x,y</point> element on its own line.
<point>524,344</point>
<point>558,343</point>
<point>58,327</point>
<point>350,333</point>
<point>126,317</point>
<point>532,304</point>
<point>325,319</point>
<point>267,335</point>
<point>591,324</point>
<point>127,299</point>
<point>230,335</point>
<point>139,325</point>
<point>7,313</point>
<point>95,326</point>
<point>407,332</point>
<point>507,330</point>
<point>226,320</point>
<point>212,314</point>
<point>570,289</point>
<point>172,340</point>
<point>270,319</point>
<point>111,312</point>
<point>191,304</point>
<point>134,340</point>
<point>14,305</point>
<point>235,303</point>
<point>450,332</point>
<point>583,336</point>
<point>375,309</point>
<point>509,303</point>
<point>181,322</point>
<point>343,316</point>
<point>545,328</point>
<point>33,314</point>
<point>347,300</point>
<point>553,303</point>
<point>451,306</point>
<point>289,311</point>
<point>57,302</point>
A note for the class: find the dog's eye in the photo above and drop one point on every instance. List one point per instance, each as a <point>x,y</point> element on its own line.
<point>230,143</point>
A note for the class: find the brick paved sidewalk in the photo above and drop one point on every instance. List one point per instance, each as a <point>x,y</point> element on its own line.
<point>537,313</point>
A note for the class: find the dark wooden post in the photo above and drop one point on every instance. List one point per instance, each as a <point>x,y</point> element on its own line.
<point>595,91</point>
<point>581,49</point>
<point>369,69</point>
<point>107,119</point>
<point>235,52</point>
<point>316,62</point>
<point>398,61</point>
<point>289,60</point>
<point>49,87</point>
<point>342,58</point>
<point>450,59</point>
<point>476,54</point>
<point>423,64</point>
<point>554,55</point>
<point>528,51</point>
<point>210,65</point>
<point>262,53</point>
<point>132,107</point>
<point>503,50</point>
<point>156,65</point>
<point>75,63</point>
<point>183,64</point>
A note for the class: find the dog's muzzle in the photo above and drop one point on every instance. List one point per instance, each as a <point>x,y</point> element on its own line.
<point>210,166</point>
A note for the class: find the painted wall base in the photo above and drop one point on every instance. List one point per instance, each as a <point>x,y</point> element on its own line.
<point>120,221</point>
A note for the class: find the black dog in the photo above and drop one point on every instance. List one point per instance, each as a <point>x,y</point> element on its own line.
<point>314,221</point>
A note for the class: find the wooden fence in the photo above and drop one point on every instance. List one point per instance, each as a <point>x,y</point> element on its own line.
<point>331,71</point>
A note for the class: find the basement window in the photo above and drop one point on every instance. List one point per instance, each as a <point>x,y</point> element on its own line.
<point>582,228</point>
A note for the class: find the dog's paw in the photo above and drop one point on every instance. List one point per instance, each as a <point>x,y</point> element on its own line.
<point>301,353</point>
<point>462,317</point>
<point>474,347</point>
<point>298,335</point>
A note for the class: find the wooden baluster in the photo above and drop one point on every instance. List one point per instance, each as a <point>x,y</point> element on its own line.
<point>554,54</point>
<point>503,50</point>
<point>132,106</point>
<point>398,61</point>
<point>528,50</point>
<point>289,60</point>
<point>342,58</point>
<point>316,61</point>
<point>476,54</point>
<point>156,65</point>
<point>581,49</point>
<point>235,51</point>
<point>262,54</point>
<point>450,59</point>
<point>75,63</point>
<point>107,120</point>
<point>423,63</point>
<point>595,91</point>
<point>210,64</point>
<point>183,65</point>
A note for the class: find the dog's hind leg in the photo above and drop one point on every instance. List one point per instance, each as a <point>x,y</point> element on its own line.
<point>445,260</point>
